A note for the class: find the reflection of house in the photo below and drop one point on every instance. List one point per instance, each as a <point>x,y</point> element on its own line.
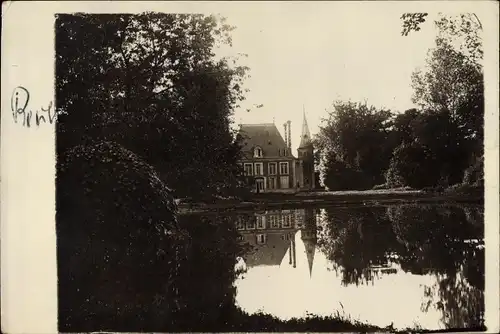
<point>270,161</point>
<point>272,235</point>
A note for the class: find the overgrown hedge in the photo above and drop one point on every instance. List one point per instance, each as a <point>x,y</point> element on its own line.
<point>118,242</point>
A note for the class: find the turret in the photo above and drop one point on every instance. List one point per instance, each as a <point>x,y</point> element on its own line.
<point>306,156</point>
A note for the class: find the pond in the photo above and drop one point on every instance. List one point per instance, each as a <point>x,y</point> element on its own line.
<point>406,266</point>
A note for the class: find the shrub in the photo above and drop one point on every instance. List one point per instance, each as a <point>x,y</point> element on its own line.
<point>474,174</point>
<point>412,165</point>
<point>339,176</point>
<point>381,186</point>
<point>118,242</point>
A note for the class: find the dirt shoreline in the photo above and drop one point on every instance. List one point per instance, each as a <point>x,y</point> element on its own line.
<point>352,198</point>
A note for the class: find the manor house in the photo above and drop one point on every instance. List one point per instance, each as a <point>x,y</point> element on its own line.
<point>268,158</point>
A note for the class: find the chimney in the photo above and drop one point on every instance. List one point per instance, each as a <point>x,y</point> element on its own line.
<point>289,136</point>
<point>286,139</point>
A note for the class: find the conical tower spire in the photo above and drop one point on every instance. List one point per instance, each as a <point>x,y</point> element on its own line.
<point>305,138</point>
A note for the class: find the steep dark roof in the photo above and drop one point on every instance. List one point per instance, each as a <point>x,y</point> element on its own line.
<point>269,254</point>
<point>266,136</point>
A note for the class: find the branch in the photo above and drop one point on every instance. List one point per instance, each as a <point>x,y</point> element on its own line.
<point>159,92</point>
<point>478,21</point>
<point>126,64</point>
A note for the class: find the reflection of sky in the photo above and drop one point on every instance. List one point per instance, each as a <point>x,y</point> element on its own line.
<point>287,292</point>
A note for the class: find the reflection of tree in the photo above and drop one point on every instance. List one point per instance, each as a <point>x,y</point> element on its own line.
<point>461,304</point>
<point>207,290</point>
<point>351,239</point>
<point>432,237</point>
<point>443,241</point>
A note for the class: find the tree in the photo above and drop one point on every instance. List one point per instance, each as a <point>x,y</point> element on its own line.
<point>465,28</point>
<point>152,83</point>
<point>412,21</point>
<point>433,151</point>
<point>403,130</point>
<point>451,84</point>
<point>453,79</point>
<point>347,139</point>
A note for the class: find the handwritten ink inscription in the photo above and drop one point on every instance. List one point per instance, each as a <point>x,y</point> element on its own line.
<point>19,106</point>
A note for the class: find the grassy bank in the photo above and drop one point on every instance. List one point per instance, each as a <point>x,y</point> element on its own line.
<point>261,322</point>
<point>266,201</point>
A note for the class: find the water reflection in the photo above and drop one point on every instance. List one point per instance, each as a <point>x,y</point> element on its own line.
<point>272,235</point>
<point>370,264</point>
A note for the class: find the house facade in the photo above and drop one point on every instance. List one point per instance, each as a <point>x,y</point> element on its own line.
<point>269,160</point>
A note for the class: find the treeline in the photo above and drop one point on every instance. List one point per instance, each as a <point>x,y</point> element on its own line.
<point>437,145</point>
<point>152,83</point>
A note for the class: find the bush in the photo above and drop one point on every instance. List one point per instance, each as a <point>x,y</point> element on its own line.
<point>474,174</point>
<point>340,176</point>
<point>412,165</point>
<point>118,242</point>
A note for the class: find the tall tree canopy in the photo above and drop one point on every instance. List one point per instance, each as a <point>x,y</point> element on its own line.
<point>153,83</point>
<point>450,91</point>
<point>346,141</point>
<point>453,78</point>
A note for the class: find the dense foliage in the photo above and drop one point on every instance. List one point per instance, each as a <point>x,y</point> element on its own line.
<point>152,83</point>
<point>347,142</point>
<point>144,103</point>
<point>440,144</point>
<point>118,241</point>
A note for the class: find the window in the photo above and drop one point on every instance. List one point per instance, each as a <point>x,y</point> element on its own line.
<point>241,225</point>
<point>272,183</point>
<point>261,239</point>
<point>260,184</point>
<point>283,168</point>
<point>275,223</point>
<point>260,222</point>
<point>257,152</point>
<point>259,169</point>
<point>271,219</point>
<point>248,169</point>
<point>272,168</point>
<point>284,184</point>
<point>286,222</point>
<point>250,224</point>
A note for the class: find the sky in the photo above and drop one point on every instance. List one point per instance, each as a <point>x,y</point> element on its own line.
<point>305,58</point>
